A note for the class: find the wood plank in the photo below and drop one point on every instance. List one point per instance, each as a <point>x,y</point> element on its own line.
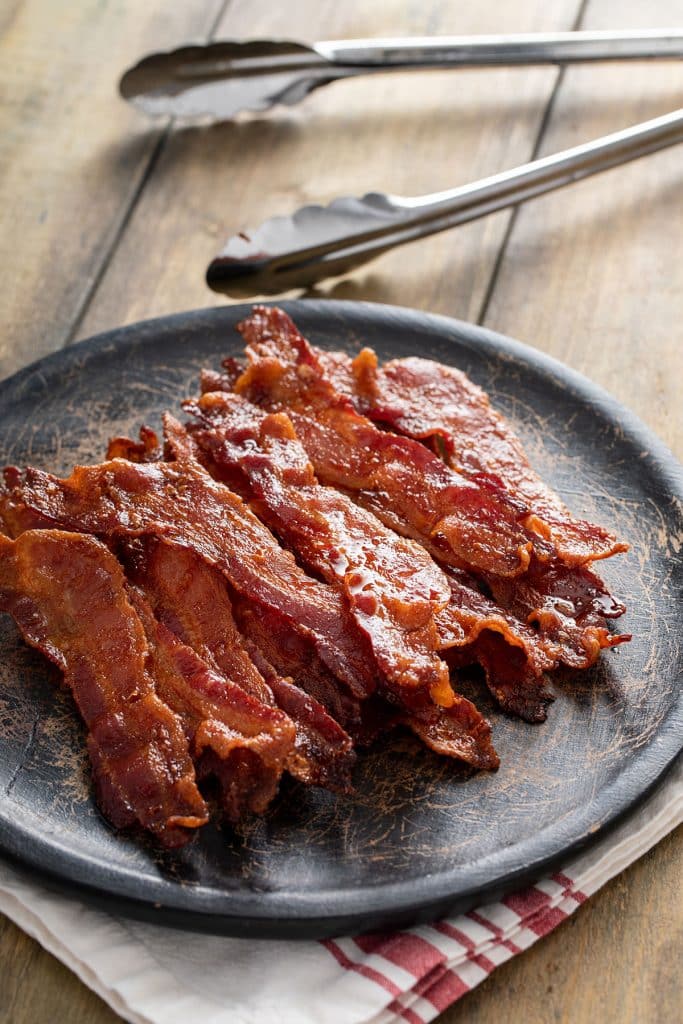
<point>35,988</point>
<point>593,274</point>
<point>616,959</point>
<point>72,154</point>
<point>409,133</point>
<point>610,958</point>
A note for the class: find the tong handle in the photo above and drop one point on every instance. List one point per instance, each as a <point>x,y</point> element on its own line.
<point>480,51</point>
<point>550,172</point>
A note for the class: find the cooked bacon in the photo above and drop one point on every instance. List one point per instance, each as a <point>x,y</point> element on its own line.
<point>182,446</point>
<point>184,505</point>
<point>391,585</point>
<point>147,449</point>
<point>459,731</point>
<point>293,656</point>
<point>413,540</point>
<point>470,523</point>
<point>569,606</point>
<point>284,366</point>
<point>67,595</point>
<point>243,742</point>
<point>440,405</point>
<point>212,380</point>
<point>190,598</point>
<point>514,657</point>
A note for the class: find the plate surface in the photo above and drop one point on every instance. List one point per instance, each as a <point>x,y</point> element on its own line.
<point>417,839</point>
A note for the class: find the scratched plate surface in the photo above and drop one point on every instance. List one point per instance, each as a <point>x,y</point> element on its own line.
<point>418,838</point>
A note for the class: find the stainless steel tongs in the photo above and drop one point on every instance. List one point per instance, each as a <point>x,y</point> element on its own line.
<point>318,242</point>
<point>220,79</point>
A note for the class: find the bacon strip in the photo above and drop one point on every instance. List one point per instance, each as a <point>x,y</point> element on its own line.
<point>438,404</point>
<point>191,600</point>
<point>471,524</point>
<point>185,506</point>
<point>67,594</point>
<point>268,636</point>
<point>284,367</point>
<point>476,630</point>
<point>237,438</point>
<point>391,584</point>
<point>147,449</point>
<point>243,742</point>
<point>569,606</point>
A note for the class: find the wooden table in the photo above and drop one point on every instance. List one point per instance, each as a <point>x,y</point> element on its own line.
<point>108,220</point>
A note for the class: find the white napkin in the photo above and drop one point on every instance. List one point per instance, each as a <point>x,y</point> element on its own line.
<point>154,975</point>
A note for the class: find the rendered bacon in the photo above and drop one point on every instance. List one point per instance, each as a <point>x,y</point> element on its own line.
<point>471,523</point>
<point>458,731</point>
<point>391,585</point>
<point>147,449</point>
<point>565,642</point>
<point>514,657</point>
<point>67,595</point>
<point>240,438</point>
<point>438,404</point>
<point>184,505</point>
<point>243,742</point>
<point>292,656</point>
<point>181,446</point>
<point>569,607</point>
<point>190,598</point>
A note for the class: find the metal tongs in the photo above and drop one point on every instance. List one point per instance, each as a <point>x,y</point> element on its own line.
<point>318,242</point>
<point>220,79</point>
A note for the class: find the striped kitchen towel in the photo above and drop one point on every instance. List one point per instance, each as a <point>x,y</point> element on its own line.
<point>154,975</point>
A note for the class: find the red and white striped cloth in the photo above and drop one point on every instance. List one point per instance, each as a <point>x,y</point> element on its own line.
<point>152,975</point>
<point>426,969</point>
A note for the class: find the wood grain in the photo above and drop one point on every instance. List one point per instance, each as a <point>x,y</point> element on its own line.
<point>592,275</point>
<point>36,987</point>
<point>72,154</point>
<point>617,959</point>
<point>410,133</point>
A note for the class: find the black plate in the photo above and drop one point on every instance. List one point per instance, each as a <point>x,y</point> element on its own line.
<point>418,839</point>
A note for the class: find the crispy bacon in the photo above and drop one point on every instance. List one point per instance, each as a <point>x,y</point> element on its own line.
<point>253,655</point>
<point>283,365</point>
<point>568,606</point>
<point>244,742</point>
<point>147,449</point>
<point>460,731</point>
<point>391,585</point>
<point>184,505</point>
<point>67,595</point>
<point>190,598</point>
<point>470,523</point>
<point>476,630</point>
<point>292,656</point>
<point>320,524</point>
<point>438,404</point>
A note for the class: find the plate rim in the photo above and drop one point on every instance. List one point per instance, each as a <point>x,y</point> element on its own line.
<point>259,914</point>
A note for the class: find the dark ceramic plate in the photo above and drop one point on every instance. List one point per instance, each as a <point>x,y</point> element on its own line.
<point>418,839</point>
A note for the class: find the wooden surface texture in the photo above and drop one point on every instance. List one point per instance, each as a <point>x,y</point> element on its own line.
<point>107,219</point>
